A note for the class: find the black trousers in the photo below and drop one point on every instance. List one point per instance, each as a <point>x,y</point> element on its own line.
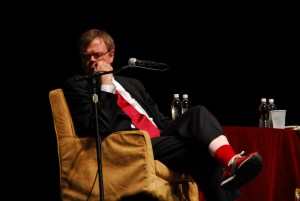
<point>183,147</point>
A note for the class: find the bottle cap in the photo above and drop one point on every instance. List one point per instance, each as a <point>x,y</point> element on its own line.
<point>271,100</point>
<point>185,96</point>
<point>263,100</point>
<point>176,95</point>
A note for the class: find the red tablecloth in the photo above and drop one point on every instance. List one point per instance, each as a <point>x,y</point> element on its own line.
<point>280,151</point>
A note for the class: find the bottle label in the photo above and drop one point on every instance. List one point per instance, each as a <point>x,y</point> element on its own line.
<point>175,113</point>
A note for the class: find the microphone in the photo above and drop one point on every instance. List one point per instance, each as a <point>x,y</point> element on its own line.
<point>98,74</point>
<point>144,63</point>
<point>132,63</point>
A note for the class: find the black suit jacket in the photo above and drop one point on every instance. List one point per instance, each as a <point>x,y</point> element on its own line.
<point>110,116</point>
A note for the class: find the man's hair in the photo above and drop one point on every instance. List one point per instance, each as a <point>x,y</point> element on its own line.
<point>88,36</point>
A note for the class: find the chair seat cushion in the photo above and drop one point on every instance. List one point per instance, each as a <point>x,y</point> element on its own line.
<point>165,173</point>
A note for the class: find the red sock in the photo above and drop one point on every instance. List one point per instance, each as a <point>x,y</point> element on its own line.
<point>224,153</point>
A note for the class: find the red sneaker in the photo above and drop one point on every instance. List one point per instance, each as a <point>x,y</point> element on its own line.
<point>240,170</point>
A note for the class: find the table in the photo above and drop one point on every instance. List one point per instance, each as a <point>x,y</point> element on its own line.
<point>280,151</point>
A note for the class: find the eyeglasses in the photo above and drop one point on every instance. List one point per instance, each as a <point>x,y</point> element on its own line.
<point>87,56</point>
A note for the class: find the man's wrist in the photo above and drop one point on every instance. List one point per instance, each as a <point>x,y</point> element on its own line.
<point>108,88</point>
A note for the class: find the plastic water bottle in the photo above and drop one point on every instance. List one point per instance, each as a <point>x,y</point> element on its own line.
<point>272,106</point>
<point>175,107</point>
<point>185,103</point>
<point>263,113</point>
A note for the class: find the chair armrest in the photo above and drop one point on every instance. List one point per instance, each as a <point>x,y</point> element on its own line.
<point>128,163</point>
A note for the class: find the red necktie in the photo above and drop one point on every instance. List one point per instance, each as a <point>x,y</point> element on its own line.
<point>139,120</point>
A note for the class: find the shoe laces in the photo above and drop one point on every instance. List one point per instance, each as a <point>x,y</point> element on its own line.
<point>234,158</point>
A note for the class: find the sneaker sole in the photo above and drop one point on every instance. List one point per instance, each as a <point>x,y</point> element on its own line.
<point>249,169</point>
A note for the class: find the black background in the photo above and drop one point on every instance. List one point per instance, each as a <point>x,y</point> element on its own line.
<point>225,56</point>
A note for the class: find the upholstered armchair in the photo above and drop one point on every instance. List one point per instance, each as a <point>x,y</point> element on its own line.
<point>128,165</point>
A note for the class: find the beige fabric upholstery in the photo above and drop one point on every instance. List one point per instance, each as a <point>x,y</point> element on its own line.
<point>128,165</point>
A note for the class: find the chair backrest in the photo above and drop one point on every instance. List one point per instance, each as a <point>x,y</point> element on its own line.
<point>77,171</point>
<point>63,122</point>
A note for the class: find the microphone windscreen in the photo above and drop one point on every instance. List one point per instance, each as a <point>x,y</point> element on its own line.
<point>131,61</point>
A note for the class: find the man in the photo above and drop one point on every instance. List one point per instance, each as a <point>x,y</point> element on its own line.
<point>194,143</point>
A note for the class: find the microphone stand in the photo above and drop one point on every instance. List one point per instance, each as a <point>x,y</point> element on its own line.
<point>98,138</point>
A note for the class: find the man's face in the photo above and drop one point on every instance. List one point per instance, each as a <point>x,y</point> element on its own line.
<point>96,51</point>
